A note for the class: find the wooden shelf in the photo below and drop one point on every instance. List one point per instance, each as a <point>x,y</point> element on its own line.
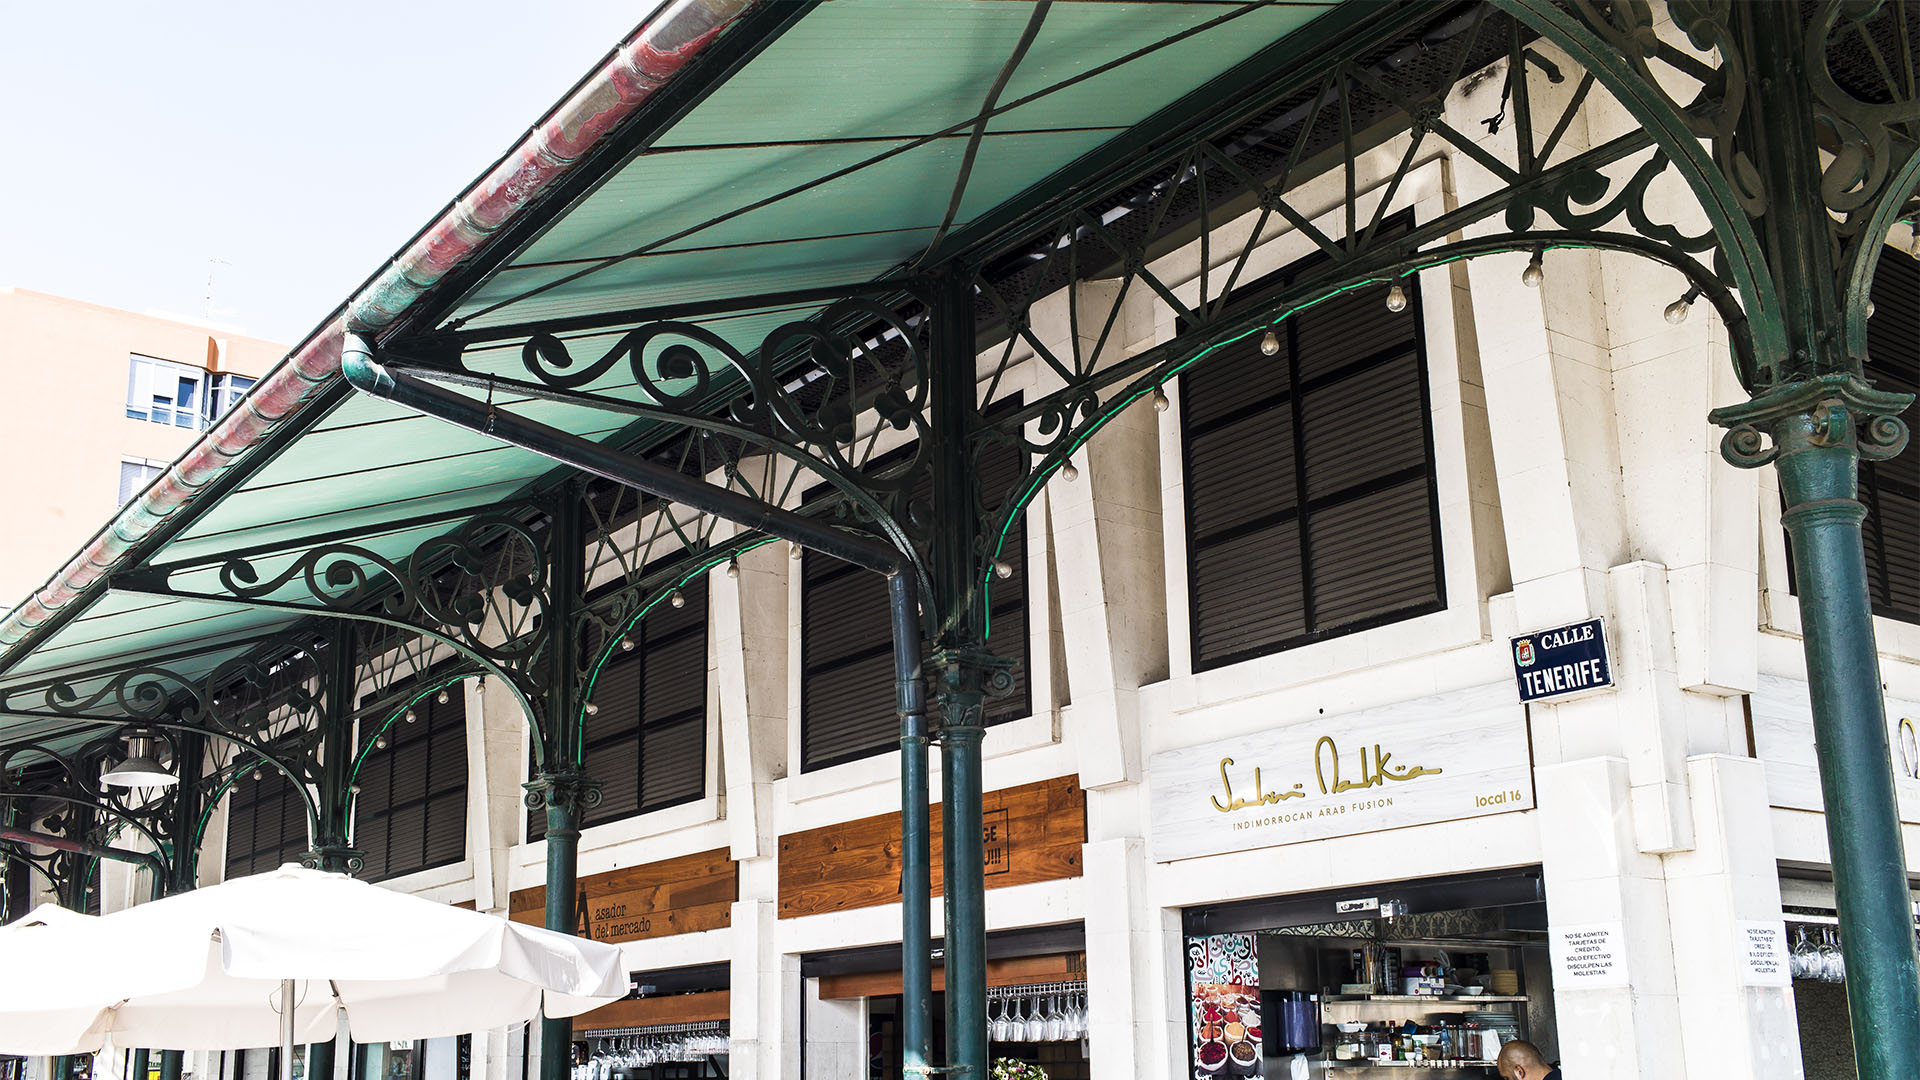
<point>1415,999</point>
<point>1451,1063</point>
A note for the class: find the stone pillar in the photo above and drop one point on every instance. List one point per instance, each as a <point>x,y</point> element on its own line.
<point>497,727</point>
<point>764,983</point>
<point>1124,1004</point>
<point>836,1036</point>
<point>1730,878</point>
<point>1108,551</point>
<point>750,640</point>
<point>1597,877</point>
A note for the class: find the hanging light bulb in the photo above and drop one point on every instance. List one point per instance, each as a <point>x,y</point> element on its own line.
<point>1396,298</point>
<point>1002,569</point>
<point>254,775</point>
<point>1270,343</point>
<point>441,697</point>
<point>733,568</point>
<point>1676,312</point>
<point>355,788</point>
<point>1160,401</point>
<point>794,552</point>
<point>1535,273</point>
<point>626,644</point>
<point>1869,309</point>
<point>1068,470</point>
<point>591,709</point>
<point>380,743</point>
<point>677,600</point>
<point>411,716</point>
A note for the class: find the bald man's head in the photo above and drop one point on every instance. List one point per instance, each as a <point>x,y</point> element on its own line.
<point>1521,1060</point>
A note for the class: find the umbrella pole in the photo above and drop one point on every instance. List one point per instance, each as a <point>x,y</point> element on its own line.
<point>286,1029</point>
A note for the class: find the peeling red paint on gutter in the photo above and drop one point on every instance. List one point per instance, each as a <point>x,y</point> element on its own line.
<point>646,62</point>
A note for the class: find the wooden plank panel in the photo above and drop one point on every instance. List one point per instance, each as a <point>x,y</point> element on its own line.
<point>1031,833</point>
<point>672,1009</point>
<point>1014,971</point>
<point>657,899</point>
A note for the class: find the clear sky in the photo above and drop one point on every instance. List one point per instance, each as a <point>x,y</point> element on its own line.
<point>300,144</point>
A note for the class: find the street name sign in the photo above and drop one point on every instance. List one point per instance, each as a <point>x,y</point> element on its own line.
<point>1563,661</point>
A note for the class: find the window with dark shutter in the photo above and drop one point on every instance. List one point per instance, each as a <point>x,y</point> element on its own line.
<point>411,813</point>
<point>647,740</point>
<point>266,824</point>
<point>1309,478</point>
<point>847,701</point>
<point>1890,490</point>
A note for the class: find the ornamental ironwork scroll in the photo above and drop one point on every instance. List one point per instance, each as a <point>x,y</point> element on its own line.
<point>484,582</point>
<point>1291,161</point>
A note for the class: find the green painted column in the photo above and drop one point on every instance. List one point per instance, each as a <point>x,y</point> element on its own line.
<point>966,672</point>
<point>332,849</point>
<point>170,1064</point>
<point>565,799</point>
<point>1818,478</point>
<point>562,788</point>
<point>1819,418</point>
<point>963,868</point>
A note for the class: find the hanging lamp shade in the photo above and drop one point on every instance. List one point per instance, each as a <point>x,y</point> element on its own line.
<point>140,769</point>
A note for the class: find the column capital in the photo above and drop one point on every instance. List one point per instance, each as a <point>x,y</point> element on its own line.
<point>1823,412</point>
<point>572,791</point>
<point>967,677</point>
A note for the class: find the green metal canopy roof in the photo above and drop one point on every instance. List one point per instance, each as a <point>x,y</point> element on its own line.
<point>784,148</point>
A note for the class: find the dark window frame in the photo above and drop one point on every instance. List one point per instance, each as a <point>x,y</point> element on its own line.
<point>698,595</point>
<point>433,718</point>
<point>1304,507</point>
<point>249,795</point>
<point>1016,706</point>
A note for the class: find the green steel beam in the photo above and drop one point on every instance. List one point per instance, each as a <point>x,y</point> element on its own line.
<point>1243,91</point>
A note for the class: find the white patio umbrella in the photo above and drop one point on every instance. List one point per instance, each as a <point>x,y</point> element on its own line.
<point>33,948</point>
<point>218,968</point>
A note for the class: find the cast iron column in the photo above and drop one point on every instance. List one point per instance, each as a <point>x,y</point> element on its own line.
<point>916,858</point>
<point>964,668</point>
<point>1818,463</point>
<point>1820,418</point>
<point>332,851</point>
<point>184,863</point>
<point>562,788</point>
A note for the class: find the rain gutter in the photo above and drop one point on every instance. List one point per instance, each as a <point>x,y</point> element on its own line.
<point>638,69</point>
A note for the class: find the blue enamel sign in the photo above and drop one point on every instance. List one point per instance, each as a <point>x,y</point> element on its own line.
<point>1563,661</point>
